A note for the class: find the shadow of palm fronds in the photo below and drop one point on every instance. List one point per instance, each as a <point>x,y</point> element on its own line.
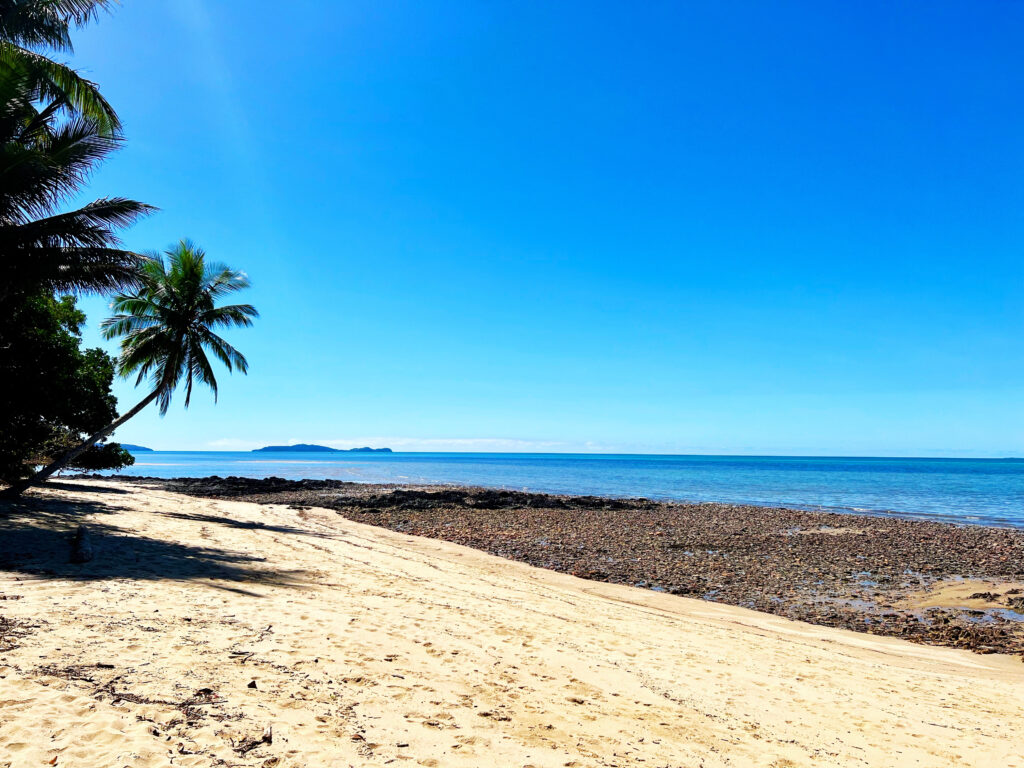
<point>36,535</point>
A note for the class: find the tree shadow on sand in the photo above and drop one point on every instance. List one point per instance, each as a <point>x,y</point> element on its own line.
<point>244,525</point>
<point>36,535</point>
<point>56,485</point>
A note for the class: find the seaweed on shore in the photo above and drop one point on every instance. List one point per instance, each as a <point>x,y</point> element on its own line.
<point>12,631</point>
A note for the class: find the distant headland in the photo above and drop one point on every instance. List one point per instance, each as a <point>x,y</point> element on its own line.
<point>135,448</point>
<point>307,448</point>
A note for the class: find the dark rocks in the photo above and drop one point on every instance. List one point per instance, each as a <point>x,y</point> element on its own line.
<point>232,487</point>
<point>990,596</point>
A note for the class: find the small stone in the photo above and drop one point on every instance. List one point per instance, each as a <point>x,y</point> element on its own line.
<point>81,548</point>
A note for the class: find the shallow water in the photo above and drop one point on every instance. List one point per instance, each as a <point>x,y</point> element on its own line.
<point>984,491</point>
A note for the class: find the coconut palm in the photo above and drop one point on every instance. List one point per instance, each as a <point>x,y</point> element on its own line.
<point>166,328</point>
<point>45,160</point>
<point>28,29</point>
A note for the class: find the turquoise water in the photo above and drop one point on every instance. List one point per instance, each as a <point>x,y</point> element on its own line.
<point>987,491</point>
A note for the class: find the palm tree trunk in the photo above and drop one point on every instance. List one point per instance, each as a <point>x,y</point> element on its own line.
<point>18,488</point>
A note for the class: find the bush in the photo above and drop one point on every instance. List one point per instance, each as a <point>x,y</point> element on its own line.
<point>54,393</point>
<point>109,456</point>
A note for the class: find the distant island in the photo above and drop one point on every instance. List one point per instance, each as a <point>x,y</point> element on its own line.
<point>135,448</point>
<point>307,448</point>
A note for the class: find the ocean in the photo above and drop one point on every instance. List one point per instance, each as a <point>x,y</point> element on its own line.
<point>979,491</point>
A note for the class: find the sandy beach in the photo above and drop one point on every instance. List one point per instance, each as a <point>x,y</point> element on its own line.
<point>212,632</point>
<point>929,581</point>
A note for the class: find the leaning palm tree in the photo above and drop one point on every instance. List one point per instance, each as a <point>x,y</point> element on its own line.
<point>45,160</point>
<point>29,29</point>
<point>166,328</point>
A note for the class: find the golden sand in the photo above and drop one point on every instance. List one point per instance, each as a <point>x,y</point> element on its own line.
<point>960,593</point>
<point>216,633</point>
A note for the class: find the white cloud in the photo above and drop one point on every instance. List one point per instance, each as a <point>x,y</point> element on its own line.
<point>455,444</point>
<point>232,444</point>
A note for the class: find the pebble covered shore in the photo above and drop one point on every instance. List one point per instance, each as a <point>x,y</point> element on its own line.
<point>882,575</point>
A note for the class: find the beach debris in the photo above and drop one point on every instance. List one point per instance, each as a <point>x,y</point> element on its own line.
<point>86,673</point>
<point>249,743</point>
<point>11,631</point>
<point>81,547</point>
<point>252,684</point>
<point>80,672</point>
<point>202,696</point>
<point>494,715</point>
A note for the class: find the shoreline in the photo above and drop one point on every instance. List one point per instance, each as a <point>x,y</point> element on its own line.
<point>210,632</point>
<point>931,582</point>
<point>945,518</point>
<point>966,490</point>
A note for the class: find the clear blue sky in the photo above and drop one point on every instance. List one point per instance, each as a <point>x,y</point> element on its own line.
<point>715,227</point>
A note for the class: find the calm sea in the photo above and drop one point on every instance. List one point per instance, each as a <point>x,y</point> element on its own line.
<point>987,491</point>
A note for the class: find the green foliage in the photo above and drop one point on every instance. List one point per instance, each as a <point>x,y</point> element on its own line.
<point>45,161</point>
<point>102,456</point>
<point>53,390</point>
<point>108,456</point>
<point>29,29</point>
<point>168,325</point>
<point>55,127</point>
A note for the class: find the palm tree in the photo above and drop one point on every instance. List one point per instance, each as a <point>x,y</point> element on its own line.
<point>29,25</point>
<point>166,328</point>
<point>44,161</point>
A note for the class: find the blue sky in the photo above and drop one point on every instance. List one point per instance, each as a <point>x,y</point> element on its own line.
<point>711,227</point>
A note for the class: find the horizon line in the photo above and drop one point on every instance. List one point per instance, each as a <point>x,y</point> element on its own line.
<point>379,452</point>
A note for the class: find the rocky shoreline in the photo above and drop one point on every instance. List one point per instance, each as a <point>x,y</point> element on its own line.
<point>929,582</point>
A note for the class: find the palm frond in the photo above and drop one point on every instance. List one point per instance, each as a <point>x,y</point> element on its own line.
<point>38,175</point>
<point>94,224</point>
<point>69,269</point>
<point>29,22</point>
<point>122,325</point>
<point>224,352</point>
<point>200,370</point>
<point>55,81</point>
<point>232,315</point>
<point>44,161</point>
<point>165,325</point>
